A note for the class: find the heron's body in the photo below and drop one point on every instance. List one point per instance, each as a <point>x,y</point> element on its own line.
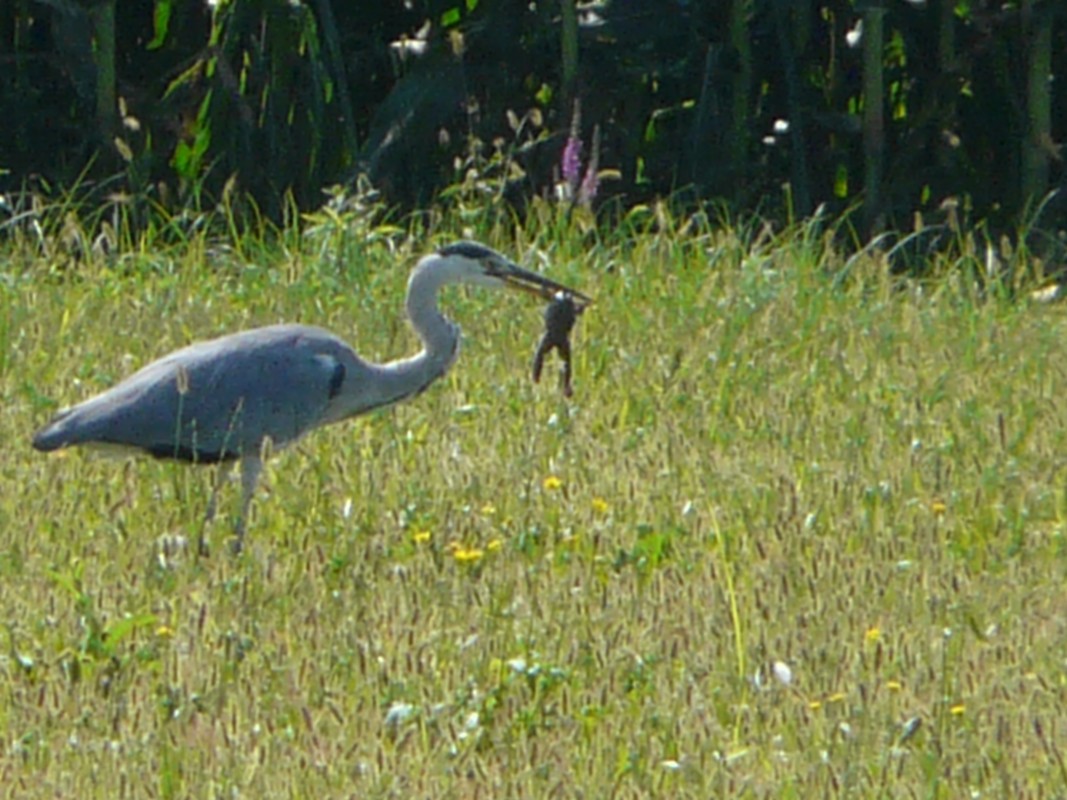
<point>225,399</point>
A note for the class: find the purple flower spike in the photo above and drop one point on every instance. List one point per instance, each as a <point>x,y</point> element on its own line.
<point>571,163</point>
<point>591,181</point>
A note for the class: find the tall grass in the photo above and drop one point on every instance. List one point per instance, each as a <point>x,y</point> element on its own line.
<point>799,533</point>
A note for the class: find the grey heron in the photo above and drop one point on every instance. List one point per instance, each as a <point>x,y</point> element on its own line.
<point>234,398</point>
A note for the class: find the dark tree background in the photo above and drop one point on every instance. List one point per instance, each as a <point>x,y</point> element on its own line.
<point>888,106</point>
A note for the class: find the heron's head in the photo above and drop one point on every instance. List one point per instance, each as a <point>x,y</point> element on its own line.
<point>474,263</point>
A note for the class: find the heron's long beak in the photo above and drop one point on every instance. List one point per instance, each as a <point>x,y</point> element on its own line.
<point>518,278</point>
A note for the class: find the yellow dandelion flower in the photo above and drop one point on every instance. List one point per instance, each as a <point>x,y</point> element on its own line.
<point>552,484</point>
<point>815,705</point>
<point>494,545</point>
<point>164,632</point>
<point>420,537</point>
<point>957,709</point>
<point>468,556</point>
<point>938,507</point>
<point>874,633</point>
<point>600,505</point>
<point>836,697</point>
<point>894,686</point>
<point>488,510</point>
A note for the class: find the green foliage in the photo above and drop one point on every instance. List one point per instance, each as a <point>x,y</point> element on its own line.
<point>800,531</point>
<point>723,101</point>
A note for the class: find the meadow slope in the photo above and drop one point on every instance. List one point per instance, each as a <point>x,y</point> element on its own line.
<point>799,533</point>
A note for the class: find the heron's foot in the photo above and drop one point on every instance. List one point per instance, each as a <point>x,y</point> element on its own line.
<point>237,543</point>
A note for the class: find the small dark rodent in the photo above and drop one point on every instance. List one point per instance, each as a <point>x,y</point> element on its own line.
<point>560,317</point>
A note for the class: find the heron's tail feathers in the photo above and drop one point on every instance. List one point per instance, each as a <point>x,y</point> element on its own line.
<point>55,434</point>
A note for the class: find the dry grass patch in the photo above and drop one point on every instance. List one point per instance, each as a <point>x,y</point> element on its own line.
<point>791,538</point>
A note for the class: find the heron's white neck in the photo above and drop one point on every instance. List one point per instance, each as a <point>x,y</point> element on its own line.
<point>440,339</point>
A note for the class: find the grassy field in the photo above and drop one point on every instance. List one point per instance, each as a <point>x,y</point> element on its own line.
<point>799,533</point>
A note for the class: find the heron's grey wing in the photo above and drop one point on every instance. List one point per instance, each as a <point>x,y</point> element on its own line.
<point>212,401</point>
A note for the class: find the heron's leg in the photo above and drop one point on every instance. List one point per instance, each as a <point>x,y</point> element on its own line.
<point>251,468</point>
<point>222,472</point>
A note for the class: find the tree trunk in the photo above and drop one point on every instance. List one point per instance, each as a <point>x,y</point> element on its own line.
<point>103,19</point>
<point>740,125</point>
<point>569,52</point>
<point>1037,34</point>
<point>946,62</point>
<point>336,64</point>
<point>798,151</point>
<point>873,117</point>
